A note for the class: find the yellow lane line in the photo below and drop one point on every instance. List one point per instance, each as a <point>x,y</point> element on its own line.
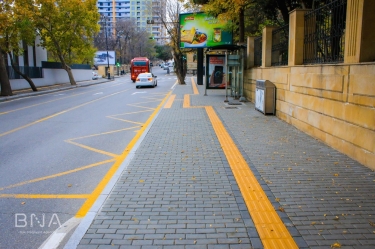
<point>103,133</point>
<point>45,196</point>
<point>99,188</point>
<point>127,113</point>
<point>59,113</point>
<point>149,108</point>
<point>92,149</point>
<point>195,89</point>
<point>270,227</point>
<point>125,120</point>
<point>46,102</point>
<point>58,174</point>
<point>170,101</point>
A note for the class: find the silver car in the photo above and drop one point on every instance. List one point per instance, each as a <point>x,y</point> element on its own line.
<point>146,79</point>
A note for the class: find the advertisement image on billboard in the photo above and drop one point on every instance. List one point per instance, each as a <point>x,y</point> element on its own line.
<point>216,71</point>
<point>101,58</point>
<point>198,30</point>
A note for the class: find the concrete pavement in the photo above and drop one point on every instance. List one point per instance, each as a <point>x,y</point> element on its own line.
<point>212,175</point>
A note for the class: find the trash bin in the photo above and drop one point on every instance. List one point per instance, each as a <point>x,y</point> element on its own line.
<point>265,97</point>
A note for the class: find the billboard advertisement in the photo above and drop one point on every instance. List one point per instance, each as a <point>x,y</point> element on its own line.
<point>101,58</point>
<point>216,72</point>
<point>199,30</point>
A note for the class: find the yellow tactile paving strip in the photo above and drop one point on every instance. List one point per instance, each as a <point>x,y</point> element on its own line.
<point>271,229</point>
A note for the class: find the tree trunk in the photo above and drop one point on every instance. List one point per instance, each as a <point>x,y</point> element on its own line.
<point>6,89</point>
<point>283,9</point>
<point>180,68</point>
<point>70,74</point>
<point>27,78</point>
<point>242,26</point>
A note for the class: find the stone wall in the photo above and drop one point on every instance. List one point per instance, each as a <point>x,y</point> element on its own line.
<point>333,103</point>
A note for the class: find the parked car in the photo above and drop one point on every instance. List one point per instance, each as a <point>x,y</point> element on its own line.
<point>95,76</point>
<point>162,65</point>
<point>146,79</point>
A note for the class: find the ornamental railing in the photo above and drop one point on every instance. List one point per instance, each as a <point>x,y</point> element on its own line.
<point>280,46</point>
<point>324,39</point>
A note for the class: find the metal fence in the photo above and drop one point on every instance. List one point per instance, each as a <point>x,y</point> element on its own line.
<point>32,72</point>
<point>258,51</point>
<point>280,39</point>
<point>324,39</point>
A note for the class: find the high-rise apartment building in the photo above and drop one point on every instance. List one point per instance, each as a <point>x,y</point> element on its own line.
<point>138,10</point>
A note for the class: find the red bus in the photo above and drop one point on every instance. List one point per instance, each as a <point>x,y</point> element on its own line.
<point>139,65</point>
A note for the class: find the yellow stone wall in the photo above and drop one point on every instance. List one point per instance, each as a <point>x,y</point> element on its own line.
<point>333,103</point>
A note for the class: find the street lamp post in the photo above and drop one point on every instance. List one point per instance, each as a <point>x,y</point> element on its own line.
<point>104,18</point>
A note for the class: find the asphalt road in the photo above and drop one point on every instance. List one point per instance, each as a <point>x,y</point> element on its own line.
<point>58,150</point>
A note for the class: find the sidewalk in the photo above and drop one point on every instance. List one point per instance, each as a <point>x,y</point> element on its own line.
<point>182,187</point>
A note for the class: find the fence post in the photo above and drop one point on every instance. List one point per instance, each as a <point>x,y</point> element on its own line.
<point>250,52</point>
<point>296,37</point>
<point>359,31</point>
<point>267,46</point>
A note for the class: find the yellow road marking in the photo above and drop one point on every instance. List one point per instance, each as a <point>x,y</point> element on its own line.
<point>170,101</point>
<point>103,133</point>
<point>149,108</point>
<point>127,113</point>
<point>128,121</point>
<point>99,188</point>
<point>195,89</point>
<point>59,113</point>
<point>92,149</point>
<point>58,174</point>
<point>45,196</point>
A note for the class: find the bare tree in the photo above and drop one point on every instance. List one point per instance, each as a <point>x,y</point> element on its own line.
<point>171,23</point>
<point>125,30</point>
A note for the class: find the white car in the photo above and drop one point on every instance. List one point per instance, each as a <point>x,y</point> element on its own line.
<point>146,79</point>
<point>95,76</point>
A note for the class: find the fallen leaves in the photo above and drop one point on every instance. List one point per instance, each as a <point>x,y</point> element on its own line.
<point>336,245</point>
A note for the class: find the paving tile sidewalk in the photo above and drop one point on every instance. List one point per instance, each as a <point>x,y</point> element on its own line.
<point>178,191</point>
